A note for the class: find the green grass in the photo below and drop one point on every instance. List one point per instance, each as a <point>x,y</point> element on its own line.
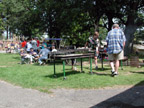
<point>41,77</point>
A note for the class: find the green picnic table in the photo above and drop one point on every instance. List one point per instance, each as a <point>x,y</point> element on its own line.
<point>72,56</point>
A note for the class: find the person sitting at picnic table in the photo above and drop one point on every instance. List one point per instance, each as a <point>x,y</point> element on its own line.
<point>43,55</point>
<point>12,46</point>
<point>49,45</point>
<point>44,43</point>
<point>1,45</point>
<point>93,43</point>
<point>16,47</point>
<point>34,54</point>
<point>25,56</point>
<point>28,45</point>
<point>54,49</point>
<point>23,43</point>
<point>8,48</point>
<point>38,42</point>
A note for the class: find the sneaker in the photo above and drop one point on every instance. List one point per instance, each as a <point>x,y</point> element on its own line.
<point>115,74</point>
<point>41,63</point>
<point>96,67</point>
<point>112,72</point>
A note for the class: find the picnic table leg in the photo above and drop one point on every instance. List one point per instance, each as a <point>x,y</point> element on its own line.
<point>81,66</point>
<point>91,65</point>
<point>102,61</point>
<point>54,69</point>
<point>64,69</point>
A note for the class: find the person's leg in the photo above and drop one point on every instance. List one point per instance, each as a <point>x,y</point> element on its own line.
<point>111,59</point>
<point>40,60</point>
<point>31,59</point>
<point>72,62</point>
<point>116,66</point>
<point>22,60</point>
<point>112,66</point>
<point>96,58</point>
<point>118,57</point>
<point>96,66</point>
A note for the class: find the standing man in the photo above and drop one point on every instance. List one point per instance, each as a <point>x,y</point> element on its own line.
<point>116,43</point>
<point>93,42</point>
<point>34,44</point>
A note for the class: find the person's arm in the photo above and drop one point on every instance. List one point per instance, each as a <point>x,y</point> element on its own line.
<point>40,53</point>
<point>123,44</point>
<point>98,46</point>
<point>107,39</point>
<point>86,44</point>
<point>124,39</point>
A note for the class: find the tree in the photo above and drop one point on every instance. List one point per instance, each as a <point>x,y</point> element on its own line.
<point>1,20</point>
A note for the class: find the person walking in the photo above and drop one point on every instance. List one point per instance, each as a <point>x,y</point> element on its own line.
<point>94,43</point>
<point>115,43</point>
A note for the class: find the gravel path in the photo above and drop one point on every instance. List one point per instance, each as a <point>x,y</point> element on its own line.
<point>123,97</point>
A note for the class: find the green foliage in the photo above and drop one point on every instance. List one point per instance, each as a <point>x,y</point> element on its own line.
<point>1,20</point>
<point>139,35</point>
<point>74,20</point>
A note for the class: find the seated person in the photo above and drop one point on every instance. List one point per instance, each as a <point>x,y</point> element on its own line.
<point>34,54</point>
<point>25,56</point>
<point>43,55</point>
<point>8,48</point>
<point>16,47</point>
<point>12,46</point>
<point>49,46</point>
<point>54,49</point>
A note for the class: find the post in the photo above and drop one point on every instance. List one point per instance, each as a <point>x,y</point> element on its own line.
<point>102,60</point>
<point>54,69</point>
<point>64,69</point>
<point>81,66</point>
<point>91,65</point>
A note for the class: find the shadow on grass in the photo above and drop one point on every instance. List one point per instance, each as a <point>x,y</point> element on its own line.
<point>102,74</point>
<point>141,72</point>
<point>99,69</point>
<point>48,64</point>
<point>62,74</point>
<point>17,58</point>
<point>130,98</point>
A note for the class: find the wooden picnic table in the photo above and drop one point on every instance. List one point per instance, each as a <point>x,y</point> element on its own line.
<point>73,56</point>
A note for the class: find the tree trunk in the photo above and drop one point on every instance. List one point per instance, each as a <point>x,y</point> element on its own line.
<point>110,22</point>
<point>96,24</point>
<point>7,37</point>
<point>129,33</point>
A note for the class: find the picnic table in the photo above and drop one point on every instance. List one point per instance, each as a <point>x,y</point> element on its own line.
<point>64,57</point>
<point>75,54</point>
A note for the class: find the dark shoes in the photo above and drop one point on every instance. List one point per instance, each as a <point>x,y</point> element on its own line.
<point>114,73</point>
<point>96,67</point>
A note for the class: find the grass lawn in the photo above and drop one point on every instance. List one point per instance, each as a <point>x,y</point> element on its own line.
<point>41,77</point>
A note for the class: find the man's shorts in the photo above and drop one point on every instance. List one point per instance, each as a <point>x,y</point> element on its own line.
<point>118,56</point>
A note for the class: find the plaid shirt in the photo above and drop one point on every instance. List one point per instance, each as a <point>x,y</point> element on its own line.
<point>93,43</point>
<point>115,39</point>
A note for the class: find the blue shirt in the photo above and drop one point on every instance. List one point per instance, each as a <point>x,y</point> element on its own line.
<point>44,52</point>
<point>115,39</point>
